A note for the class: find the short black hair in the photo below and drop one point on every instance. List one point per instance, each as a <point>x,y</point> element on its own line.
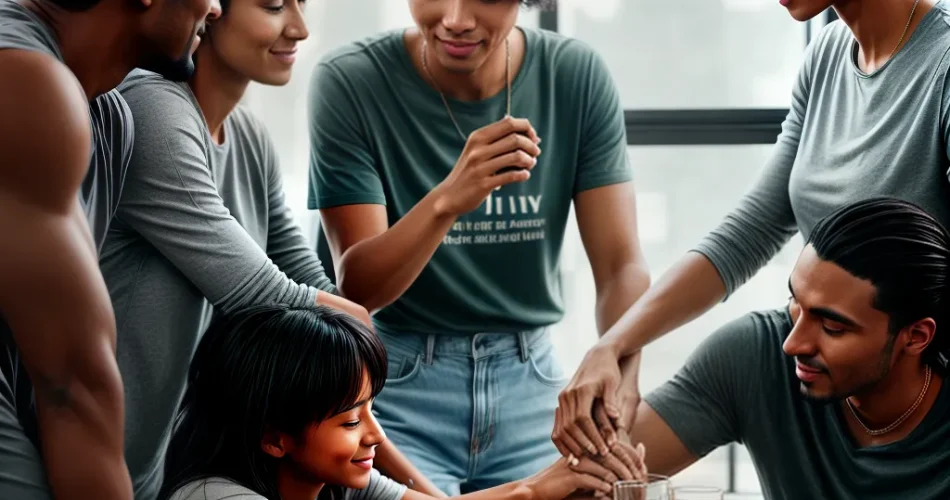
<point>904,252</point>
<point>267,367</point>
<point>76,5</point>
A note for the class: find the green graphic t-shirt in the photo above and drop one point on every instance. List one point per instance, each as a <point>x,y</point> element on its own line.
<point>381,135</point>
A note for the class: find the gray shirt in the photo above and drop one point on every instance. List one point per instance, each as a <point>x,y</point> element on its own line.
<point>199,226</point>
<point>111,126</point>
<point>739,386</point>
<point>848,135</point>
<point>217,488</point>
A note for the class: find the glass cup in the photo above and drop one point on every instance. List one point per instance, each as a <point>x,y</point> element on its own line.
<point>656,487</point>
<point>697,493</point>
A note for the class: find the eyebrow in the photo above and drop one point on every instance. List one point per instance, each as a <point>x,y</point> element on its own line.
<point>355,405</point>
<point>824,312</point>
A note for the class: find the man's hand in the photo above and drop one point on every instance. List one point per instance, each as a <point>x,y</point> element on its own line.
<point>510,142</point>
<point>599,377</point>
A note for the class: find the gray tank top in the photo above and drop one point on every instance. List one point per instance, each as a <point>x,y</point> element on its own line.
<point>112,130</point>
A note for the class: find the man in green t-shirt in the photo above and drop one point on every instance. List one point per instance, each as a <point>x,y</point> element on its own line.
<point>840,394</point>
<point>442,212</point>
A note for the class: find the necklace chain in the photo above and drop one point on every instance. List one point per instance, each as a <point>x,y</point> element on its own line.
<point>901,419</point>
<point>906,27</point>
<point>445,102</point>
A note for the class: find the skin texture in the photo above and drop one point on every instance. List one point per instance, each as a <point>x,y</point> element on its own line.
<point>692,286</point>
<point>329,452</point>
<point>838,332</point>
<point>51,265</point>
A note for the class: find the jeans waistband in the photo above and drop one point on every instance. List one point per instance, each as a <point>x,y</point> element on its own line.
<point>477,346</point>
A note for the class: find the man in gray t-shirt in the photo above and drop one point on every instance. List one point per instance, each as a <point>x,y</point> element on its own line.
<point>840,394</point>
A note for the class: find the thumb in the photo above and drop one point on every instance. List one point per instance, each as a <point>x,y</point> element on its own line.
<point>611,403</point>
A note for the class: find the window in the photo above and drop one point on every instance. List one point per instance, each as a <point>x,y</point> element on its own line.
<point>692,53</point>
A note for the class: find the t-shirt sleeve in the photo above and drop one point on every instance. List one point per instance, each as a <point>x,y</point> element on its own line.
<point>380,488</point>
<point>214,488</point>
<point>342,165</point>
<point>602,159</point>
<point>705,402</point>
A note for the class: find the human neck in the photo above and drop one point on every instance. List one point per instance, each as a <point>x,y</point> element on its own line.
<point>887,401</point>
<point>486,81</point>
<point>292,486</point>
<point>97,45</point>
<point>217,88</point>
<point>877,26</point>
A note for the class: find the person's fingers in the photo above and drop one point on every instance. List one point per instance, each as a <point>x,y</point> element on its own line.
<point>611,402</point>
<point>506,126</point>
<point>517,159</point>
<point>605,424</point>
<point>513,142</point>
<point>556,434</point>
<point>591,476</point>
<point>630,458</point>
<point>620,468</point>
<point>588,436</point>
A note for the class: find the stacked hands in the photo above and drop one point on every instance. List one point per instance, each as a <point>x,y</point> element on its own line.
<point>591,472</point>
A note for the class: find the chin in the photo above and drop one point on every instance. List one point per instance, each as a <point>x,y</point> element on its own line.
<point>357,479</point>
<point>274,79</point>
<point>803,13</point>
<point>817,395</point>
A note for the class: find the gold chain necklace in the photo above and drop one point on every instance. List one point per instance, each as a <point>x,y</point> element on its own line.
<point>899,421</point>
<point>425,66</point>
<point>906,27</point>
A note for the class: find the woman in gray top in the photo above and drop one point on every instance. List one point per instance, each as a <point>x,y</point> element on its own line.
<point>202,223</point>
<point>268,416</point>
<point>870,116</point>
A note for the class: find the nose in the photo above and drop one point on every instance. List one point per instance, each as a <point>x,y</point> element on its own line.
<point>800,341</point>
<point>297,28</point>
<point>458,18</point>
<point>215,10</point>
<point>375,434</point>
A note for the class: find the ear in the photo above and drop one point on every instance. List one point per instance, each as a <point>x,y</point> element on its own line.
<point>276,444</point>
<point>918,336</point>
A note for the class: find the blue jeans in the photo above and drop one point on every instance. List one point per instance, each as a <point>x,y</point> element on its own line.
<point>471,412</point>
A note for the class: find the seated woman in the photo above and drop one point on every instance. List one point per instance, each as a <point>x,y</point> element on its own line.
<point>279,407</point>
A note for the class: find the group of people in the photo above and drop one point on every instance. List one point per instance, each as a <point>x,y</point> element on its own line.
<point>168,333</point>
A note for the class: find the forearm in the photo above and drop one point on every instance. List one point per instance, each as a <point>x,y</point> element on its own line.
<point>377,270</point>
<point>517,490</point>
<point>393,464</point>
<point>81,424</point>
<point>683,293</point>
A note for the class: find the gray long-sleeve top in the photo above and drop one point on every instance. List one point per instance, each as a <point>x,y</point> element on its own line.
<point>848,136</point>
<point>199,226</point>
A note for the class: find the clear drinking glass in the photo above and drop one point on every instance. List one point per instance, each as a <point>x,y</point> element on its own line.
<point>697,493</point>
<point>656,487</point>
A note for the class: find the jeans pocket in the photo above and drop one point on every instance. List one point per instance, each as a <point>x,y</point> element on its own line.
<point>546,368</point>
<point>402,368</point>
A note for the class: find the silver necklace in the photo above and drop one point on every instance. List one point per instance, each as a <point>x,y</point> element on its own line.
<point>899,421</point>
<point>425,66</point>
<point>906,27</point>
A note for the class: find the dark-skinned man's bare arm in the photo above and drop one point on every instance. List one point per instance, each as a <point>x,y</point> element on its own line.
<point>51,292</point>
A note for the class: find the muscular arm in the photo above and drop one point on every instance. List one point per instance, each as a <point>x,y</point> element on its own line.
<point>51,292</point>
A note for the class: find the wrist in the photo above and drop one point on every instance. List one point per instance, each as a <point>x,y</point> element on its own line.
<point>525,489</point>
<point>441,203</point>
